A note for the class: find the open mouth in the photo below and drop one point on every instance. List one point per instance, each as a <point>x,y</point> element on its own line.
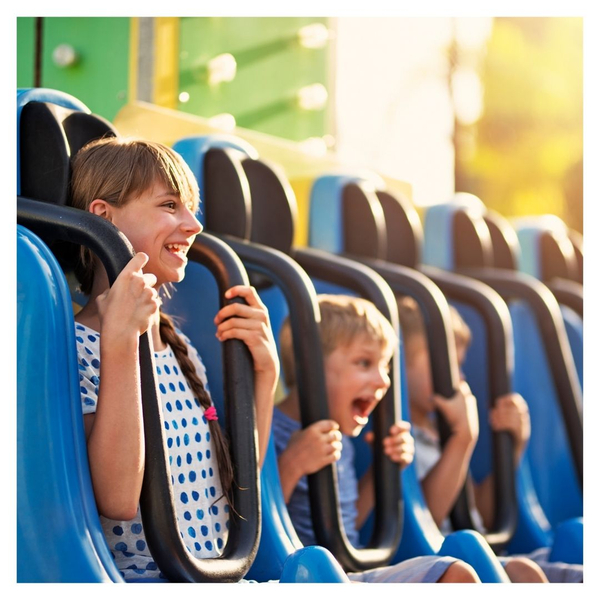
<point>362,408</point>
<point>179,250</point>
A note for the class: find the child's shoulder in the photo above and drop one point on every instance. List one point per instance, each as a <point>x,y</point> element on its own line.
<point>283,425</point>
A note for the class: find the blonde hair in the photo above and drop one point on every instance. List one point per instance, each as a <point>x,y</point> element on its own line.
<point>118,170</point>
<point>343,319</point>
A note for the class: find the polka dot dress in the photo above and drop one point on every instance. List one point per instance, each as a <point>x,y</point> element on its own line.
<point>202,512</point>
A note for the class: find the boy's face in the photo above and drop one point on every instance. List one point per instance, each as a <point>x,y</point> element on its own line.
<point>419,379</point>
<point>357,379</point>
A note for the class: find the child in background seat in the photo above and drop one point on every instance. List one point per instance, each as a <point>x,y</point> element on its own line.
<point>358,344</point>
<point>147,191</point>
<point>443,471</point>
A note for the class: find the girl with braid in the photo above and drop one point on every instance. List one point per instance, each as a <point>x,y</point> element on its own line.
<point>147,191</point>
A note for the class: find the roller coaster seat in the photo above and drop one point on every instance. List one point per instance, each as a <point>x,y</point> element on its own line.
<point>59,537</point>
<point>457,235</point>
<point>550,253</point>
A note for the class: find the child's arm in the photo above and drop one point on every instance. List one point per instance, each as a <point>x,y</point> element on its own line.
<point>444,481</point>
<point>115,437</point>
<point>510,413</point>
<point>308,451</point>
<point>399,446</point>
<point>250,323</point>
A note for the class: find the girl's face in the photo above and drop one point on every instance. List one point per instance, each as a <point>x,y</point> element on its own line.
<point>419,381</point>
<point>161,225</point>
<point>357,379</point>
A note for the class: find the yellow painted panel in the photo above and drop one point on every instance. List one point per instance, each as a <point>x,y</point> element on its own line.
<point>166,61</point>
<point>134,42</point>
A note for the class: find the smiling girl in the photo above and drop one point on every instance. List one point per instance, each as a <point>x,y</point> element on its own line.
<point>147,191</point>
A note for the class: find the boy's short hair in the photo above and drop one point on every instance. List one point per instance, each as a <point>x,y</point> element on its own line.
<point>412,323</point>
<point>343,319</point>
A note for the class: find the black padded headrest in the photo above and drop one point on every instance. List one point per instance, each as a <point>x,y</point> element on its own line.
<point>81,128</point>
<point>503,241</point>
<point>44,156</point>
<point>273,206</point>
<point>363,222</point>
<point>226,195</point>
<point>49,136</point>
<point>472,241</point>
<point>404,230</point>
<point>557,257</point>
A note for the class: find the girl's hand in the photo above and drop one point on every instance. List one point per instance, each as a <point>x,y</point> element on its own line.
<point>399,445</point>
<point>460,412</point>
<point>249,323</point>
<point>510,413</point>
<point>131,303</point>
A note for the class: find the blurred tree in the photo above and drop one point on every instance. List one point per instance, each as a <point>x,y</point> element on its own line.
<point>524,156</point>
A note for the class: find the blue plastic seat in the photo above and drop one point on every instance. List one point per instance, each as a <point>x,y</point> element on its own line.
<point>548,251</point>
<point>59,537</point>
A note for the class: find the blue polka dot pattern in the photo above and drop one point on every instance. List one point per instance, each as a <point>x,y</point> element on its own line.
<point>202,512</point>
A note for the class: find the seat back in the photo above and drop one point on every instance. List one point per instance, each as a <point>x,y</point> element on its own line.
<point>506,249</point>
<point>53,476</point>
<point>553,254</point>
<point>59,537</point>
<point>546,248</point>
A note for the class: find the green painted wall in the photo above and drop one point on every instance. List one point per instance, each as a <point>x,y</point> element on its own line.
<point>101,75</point>
<point>25,51</point>
<point>271,67</point>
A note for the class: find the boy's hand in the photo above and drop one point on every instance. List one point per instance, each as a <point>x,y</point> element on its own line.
<point>249,323</point>
<point>316,446</point>
<point>308,451</point>
<point>399,445</point>
<point>460,412</point>
<point>510,413</point>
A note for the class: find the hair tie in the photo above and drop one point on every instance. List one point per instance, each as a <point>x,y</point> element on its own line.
<point>211,414</point>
